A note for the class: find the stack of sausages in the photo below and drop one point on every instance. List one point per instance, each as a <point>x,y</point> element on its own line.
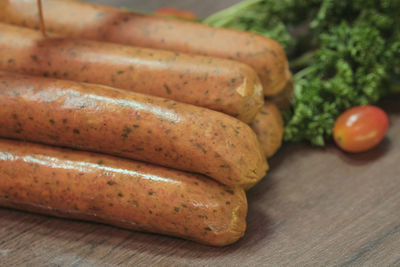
<point>136,121</point>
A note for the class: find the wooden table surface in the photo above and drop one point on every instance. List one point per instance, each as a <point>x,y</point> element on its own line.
<point>316,207</point>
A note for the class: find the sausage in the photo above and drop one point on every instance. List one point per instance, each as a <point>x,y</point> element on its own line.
<point>268,126</point>
<point>99,22</point>
<point>122,123</point>
<point>124,193</point>
<point>284,98</point>
<point>219,84</point>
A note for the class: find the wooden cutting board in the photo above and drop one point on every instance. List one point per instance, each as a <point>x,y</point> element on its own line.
<point>317,206</point>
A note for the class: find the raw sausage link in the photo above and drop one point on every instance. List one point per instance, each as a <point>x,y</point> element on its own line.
<point>120,192</point>
<point>103,119</point>
<point>99,22</point>
<point>284,98</point>
<point>219,84</point>
<point>268,126</point>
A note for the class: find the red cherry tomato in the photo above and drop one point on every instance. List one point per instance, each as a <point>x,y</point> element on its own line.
<point>360,128</point>
<point>176,13</point>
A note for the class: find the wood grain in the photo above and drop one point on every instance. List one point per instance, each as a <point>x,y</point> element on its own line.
<point>316,207</point>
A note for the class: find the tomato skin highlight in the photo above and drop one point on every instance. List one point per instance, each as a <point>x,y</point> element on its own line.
<point>360,128</point>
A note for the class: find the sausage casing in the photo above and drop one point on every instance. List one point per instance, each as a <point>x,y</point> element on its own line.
<point>122,123</point>
<point>99,22</point>
<point>284,99</point>
<point>268,126</point>
<point>128,194</point>
<point>219,84</point>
